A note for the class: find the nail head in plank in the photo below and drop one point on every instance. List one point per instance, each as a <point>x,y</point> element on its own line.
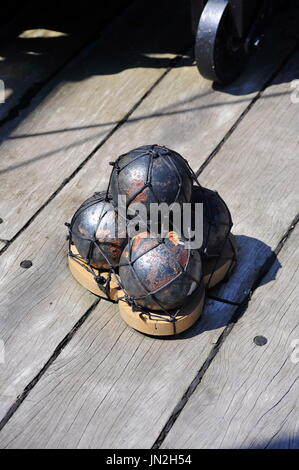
<point>249,396</point>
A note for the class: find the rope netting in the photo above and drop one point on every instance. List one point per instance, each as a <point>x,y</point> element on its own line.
<point>180,173</point>
<point>151,295</point>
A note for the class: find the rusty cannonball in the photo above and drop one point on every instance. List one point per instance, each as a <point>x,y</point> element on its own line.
<point>151,174</point>
<point>217,220</point>
<point>159,274</point>
<point>94,232</point>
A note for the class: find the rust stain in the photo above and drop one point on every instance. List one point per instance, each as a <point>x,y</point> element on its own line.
<point>173,237</point>
<point>135,187</point>
<point>83,231</point>
<point>138,238</point>
<point>102,232</point>
<point>183,257</point>
<point>179,253</point>
<point>115,252</point>
<point>112,241</point>
<point>158,283</point>
<point>141,197</point>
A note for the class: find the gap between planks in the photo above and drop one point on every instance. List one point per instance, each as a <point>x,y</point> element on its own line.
<point>39,74</point>
<point>246,111</point>
<point>5,244</point>
<point>236,316</point>
<point>173,62</point>
<point>280,245</point>
<point>39,157</point>
<point>51,359</point>
<point>197,379</point>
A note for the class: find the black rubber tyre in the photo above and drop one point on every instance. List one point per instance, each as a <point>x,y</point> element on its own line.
<point>219,53</point>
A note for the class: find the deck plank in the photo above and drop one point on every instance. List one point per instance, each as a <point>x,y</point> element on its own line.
<point>30,54</point>
<point>55,138</point>
<point>257,174</point>
<point>33,320</point>
<point>249,397</point>
<point>112,387</point>
<point>39,40</point>
<point>44,301</point>
<point>76,110</point>
<point>42,304</point>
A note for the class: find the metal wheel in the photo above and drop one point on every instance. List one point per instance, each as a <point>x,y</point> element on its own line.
<point>219,52</point>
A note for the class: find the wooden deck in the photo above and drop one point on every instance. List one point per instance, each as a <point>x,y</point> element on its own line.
<point>73,375</point>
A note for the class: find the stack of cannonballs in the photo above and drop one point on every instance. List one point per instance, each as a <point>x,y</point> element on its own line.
<point>156,273</point>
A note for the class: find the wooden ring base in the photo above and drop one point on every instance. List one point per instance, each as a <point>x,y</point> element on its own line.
<point>224,266</point>
<point>81,272</point>
<point>157,326</point>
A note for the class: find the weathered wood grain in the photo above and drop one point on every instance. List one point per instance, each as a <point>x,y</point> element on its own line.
<point>76,110</point>
<point>40,40</point>
<point>33,311</point>
<point>40,305</point>
<point>42,151</point>
<point>27,317</point>
<point>112,387</point>
<point>186,113</point>
<point>56,137</point>
<point>257,174</point>
<point>30,326</point>
<point>66,201</point>
<point>249,397</point>
<point>255,171</point>
<point>202,115</point>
